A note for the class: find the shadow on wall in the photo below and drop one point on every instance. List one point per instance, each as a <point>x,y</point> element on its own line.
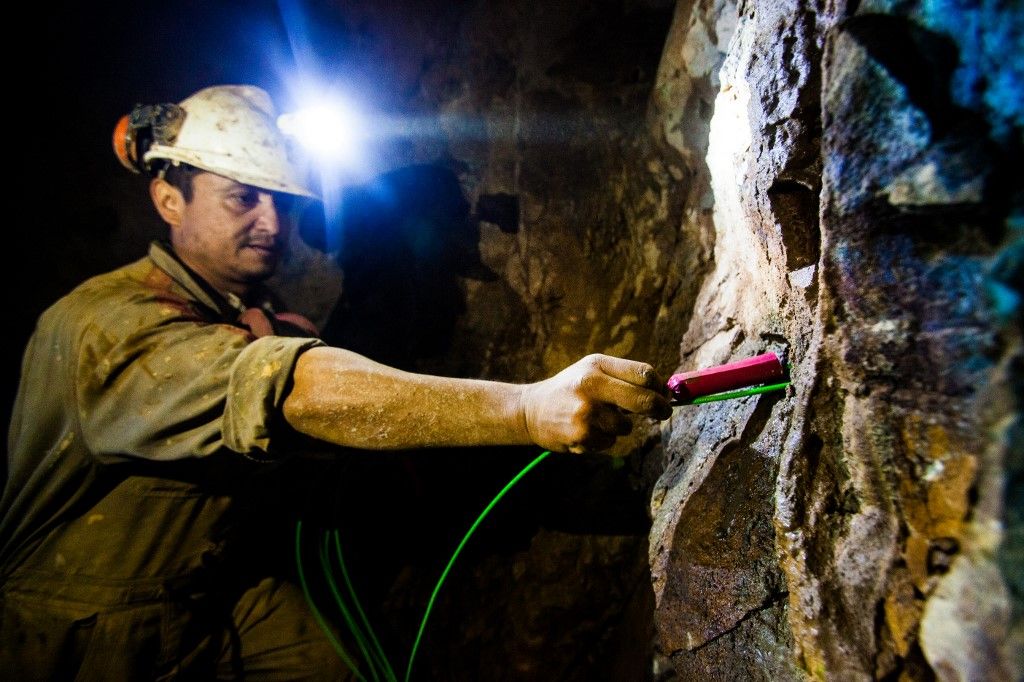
<point>406,238</point>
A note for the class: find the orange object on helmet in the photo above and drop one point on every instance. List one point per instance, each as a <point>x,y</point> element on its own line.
<point>124,149</point>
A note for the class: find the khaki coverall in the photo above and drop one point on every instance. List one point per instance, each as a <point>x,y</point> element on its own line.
<point>145,449</point>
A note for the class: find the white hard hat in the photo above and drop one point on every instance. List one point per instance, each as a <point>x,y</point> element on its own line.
<point>232,130</point>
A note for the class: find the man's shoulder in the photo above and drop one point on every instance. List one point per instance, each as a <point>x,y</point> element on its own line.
<point>139,289</point>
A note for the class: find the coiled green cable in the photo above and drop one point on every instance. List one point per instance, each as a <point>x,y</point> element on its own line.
<point>378,650</point>
<point>332,584</point>
<point>316,612</point>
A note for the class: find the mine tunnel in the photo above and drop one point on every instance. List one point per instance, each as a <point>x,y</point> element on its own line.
<point>686,184</point>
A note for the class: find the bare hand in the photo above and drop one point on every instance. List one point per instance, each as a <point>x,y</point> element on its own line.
<point>582,407</point>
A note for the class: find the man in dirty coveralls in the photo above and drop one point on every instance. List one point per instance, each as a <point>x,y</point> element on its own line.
<point>159,403</point>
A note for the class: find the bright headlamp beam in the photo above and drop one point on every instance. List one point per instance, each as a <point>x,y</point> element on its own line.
<point>331,132</point>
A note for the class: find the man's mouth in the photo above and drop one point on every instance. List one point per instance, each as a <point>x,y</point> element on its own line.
<point>265,247</point>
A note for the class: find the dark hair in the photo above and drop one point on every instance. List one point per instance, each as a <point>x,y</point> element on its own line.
<point>180,176</point>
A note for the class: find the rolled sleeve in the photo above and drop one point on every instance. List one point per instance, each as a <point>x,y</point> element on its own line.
<point>259,382</point>
<point>157,383</point>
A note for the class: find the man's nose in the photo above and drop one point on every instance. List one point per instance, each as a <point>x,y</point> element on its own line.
<point>267,218</point>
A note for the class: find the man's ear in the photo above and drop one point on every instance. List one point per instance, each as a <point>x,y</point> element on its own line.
<point>168,201</point>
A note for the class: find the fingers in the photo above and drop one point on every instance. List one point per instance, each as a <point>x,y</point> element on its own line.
<point>605,425</point>
<point>628,380</point>
<point>606,389</point>
<point>584,407</point>
<point>630,371</point>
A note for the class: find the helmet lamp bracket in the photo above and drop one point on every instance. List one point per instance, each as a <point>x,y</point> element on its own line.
<point>147,124</point>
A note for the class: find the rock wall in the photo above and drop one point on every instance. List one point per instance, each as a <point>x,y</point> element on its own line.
<point>866,524</point>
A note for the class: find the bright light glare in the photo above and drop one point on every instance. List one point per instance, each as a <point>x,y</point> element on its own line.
<point>330,131</point>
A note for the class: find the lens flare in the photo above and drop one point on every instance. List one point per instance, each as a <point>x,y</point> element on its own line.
<point>331,131</point>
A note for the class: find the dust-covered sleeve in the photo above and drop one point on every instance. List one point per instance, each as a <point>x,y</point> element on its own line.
<point>156,382</point>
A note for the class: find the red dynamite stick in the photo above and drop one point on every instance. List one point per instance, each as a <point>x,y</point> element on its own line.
<point>750,372</point>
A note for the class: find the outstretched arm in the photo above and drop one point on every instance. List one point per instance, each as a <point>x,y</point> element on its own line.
<point>345,398</point>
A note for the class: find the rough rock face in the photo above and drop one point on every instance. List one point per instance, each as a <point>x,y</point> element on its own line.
<point>861,526</point>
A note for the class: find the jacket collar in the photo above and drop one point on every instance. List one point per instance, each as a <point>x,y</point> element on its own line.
<point>226,304</point>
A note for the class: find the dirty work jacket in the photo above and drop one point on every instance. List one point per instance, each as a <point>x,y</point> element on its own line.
<point>143,427</point>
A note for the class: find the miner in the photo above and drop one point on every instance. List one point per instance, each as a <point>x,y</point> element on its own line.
<point>159,403</point>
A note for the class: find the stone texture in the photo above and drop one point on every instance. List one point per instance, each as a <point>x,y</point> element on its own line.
<point>757,298</point>
<point>886,454</point>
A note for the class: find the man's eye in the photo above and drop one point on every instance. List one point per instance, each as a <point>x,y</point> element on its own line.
<point>245,199</point>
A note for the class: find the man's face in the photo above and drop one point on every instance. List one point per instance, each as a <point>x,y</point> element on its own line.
<point>232,234</point>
